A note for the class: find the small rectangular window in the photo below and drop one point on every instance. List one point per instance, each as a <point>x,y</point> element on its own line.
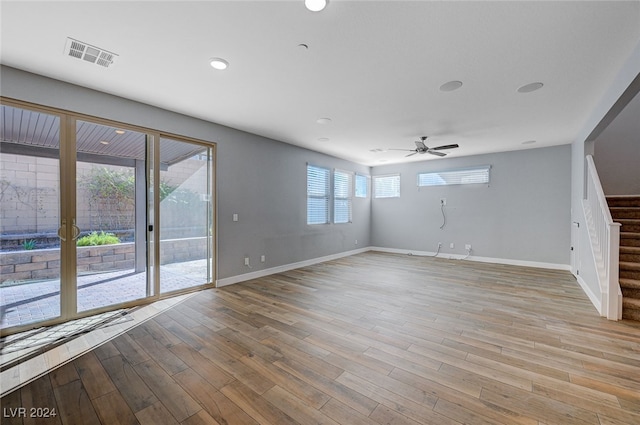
<point>342,181</point>
<point>317,195</point>
<point>462,176</point>
<point>362,186</point>
<point>386,186</point>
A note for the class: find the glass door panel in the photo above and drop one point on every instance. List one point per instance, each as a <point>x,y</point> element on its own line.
<point>186,215</point>
<point>111,227</point>
<point>29,216</point>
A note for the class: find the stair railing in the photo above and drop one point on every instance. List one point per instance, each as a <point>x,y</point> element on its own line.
<point>605,242</point>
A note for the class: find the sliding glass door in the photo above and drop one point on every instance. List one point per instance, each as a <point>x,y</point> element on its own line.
<point>81,198</point>
<point>186,215</point>
<point>111,216</point>
<point>30,216</point>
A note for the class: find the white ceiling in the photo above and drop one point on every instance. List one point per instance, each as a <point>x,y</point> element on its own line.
<point>373,67</point>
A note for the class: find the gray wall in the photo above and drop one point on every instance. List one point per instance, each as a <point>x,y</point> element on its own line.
<point>262,180</point>
<point>617,152</point>
<point>524,214</point>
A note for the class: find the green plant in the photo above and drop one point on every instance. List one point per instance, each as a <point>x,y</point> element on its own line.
<point>28,245</point>
<point>110,192</point>
<point>95,238</point>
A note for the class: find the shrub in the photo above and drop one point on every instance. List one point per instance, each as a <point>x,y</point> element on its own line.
<point>95,238</point>
<point>28,245</point>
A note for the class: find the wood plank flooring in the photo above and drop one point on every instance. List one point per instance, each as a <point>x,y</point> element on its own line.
<point>369,339</point>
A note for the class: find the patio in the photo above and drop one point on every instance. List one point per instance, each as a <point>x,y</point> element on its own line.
<point>36,301</point>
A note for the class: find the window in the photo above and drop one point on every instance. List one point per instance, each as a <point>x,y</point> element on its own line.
<point>362,186</point>
<point>317,195</point>
<point>462,176</point>
<point>386,186</point>
<point>342,182</point>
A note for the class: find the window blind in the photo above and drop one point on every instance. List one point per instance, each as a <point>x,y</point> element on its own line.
<point>362,186</point>
<point>386,186</point>
<point>462,176</point>
<point>342,182</point>
<point>317,195</point>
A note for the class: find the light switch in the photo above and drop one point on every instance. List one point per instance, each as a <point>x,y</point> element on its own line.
<point>235,217</point>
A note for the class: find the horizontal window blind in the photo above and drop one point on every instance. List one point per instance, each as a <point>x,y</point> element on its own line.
<point>473,175</point>
<point>386,186</point>
<point>317,195</point>
<point>362,186</point>
<point>342,182</point>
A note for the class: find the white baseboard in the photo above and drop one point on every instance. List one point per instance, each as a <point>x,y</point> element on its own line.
<point>540,265</point>
<point>286,267</point>
<point>597,302</point>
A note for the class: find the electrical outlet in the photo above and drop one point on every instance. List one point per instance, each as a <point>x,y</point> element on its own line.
<point>356,242</point>
<point>235,217</point>
<point>443,201</point>
<point>468,247</point>
<point>451,245</point>
<point>246,261</point>
<point>263,258</point>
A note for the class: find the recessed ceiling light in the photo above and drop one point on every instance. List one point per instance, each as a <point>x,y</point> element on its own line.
<point>451,86</point>
<point>104,142</point>
<point>323,139</point>
<point>528,88</point>
<point>218,63</point>
<point>120,131</point>
<point>529,142</point>
<point>323,120</point>
<point>377,150</point>
<point>316,5</point>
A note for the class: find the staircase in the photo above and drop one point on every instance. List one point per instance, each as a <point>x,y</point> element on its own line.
<point>626,211</point>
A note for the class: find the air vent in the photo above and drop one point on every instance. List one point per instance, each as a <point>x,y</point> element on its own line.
<point>79,50</point>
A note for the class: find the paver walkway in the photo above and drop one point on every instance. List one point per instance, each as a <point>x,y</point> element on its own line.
<point>38,301</point>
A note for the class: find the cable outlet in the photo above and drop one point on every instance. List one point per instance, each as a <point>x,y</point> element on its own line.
<point>468,247</point>
<point>443,201</point>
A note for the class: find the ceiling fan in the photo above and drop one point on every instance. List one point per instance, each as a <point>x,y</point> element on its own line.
<point>422,148</point>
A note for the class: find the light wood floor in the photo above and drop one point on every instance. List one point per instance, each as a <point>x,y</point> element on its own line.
<point>369,339</point>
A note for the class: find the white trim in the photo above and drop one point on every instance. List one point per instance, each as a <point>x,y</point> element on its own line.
<point>540,265</point>
<point>597,302</point>
<point>286,267</point>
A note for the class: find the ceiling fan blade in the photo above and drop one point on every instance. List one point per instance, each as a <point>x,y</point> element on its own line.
<point>436,153</point>
<point>445,147</point>
<point>411,154</point>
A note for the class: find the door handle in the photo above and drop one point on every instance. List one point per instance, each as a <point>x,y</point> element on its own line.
<point>62,230</point>
<point>75,230</point>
